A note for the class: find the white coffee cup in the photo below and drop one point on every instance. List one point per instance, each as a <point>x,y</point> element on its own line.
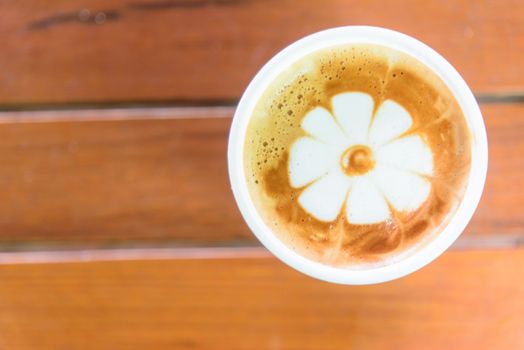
<point>350,35</point>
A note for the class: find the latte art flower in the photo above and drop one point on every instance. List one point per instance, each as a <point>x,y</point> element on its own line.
<point>359,161</point>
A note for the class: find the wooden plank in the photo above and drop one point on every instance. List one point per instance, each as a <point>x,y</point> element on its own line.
<point>464,300</point>
<point>121,50</point>
<point>160,176</point>
<point>503,195</point>
<point>121,179</point>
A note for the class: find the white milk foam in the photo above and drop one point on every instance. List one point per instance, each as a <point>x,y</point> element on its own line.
<point>391,163</point>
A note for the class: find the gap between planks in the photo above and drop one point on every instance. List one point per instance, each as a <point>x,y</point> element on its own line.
<point>116,114</point>
<point>129,253</point>
<point>161,110</point>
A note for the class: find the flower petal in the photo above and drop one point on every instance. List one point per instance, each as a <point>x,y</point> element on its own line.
<point>408,153</point>
<point>309,159</point>
<point>391,121</point>
<point>353,112</point>
<point>324,198</point>
<point>365,204</point>
<point>320,124</point>
<point>404,190</point>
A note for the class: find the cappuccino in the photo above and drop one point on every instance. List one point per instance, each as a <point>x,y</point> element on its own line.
<point>356,155</point>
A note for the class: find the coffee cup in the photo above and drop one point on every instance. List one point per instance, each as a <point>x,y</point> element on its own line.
<point>361,209</point>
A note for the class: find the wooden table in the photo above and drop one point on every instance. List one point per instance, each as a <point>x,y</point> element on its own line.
<point>113,234</point>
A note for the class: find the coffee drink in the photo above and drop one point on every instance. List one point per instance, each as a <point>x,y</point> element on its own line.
<point>357,155</point>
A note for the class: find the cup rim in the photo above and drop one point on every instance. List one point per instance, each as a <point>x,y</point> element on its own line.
<point>352,35</point>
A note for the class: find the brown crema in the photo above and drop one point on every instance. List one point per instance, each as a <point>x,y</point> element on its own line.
<point>384,74</point>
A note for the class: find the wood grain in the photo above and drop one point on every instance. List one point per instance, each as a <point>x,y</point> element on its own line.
<point>159,175</point>
<point>464,300</point>
<point>156,50</point>
<point>120,179</point>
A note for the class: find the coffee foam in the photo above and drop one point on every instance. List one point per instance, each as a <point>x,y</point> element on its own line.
<point>383,82</point>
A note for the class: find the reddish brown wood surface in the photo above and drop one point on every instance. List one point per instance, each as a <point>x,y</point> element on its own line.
<point>160,175</point>
<point>122,50</point>
<point>464,300</point>
<point>499,211</point>
<point>137,177</point>
<point>126,180</point>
